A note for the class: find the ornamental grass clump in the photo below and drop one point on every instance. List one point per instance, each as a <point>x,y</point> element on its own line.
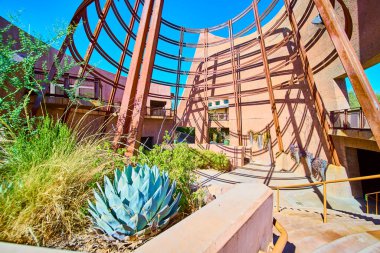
<point>44,202</point>
<point>139,201</point>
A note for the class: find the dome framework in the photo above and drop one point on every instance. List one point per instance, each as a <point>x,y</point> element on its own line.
<point>233,54</point>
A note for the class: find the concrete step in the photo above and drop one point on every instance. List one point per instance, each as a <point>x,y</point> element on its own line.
<point>351,243</point>
<point>374,248</point>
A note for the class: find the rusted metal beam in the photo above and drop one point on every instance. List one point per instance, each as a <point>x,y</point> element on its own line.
<point>351,62</point>
<point>122,58</point>
<point>139,108</point>
<point>179,67</point>
<point>236,85</point>
<point>205,137</point>
<point>319,106</point>
<point>94,39</point>
<point>128,100</point>
<point>268,77</point>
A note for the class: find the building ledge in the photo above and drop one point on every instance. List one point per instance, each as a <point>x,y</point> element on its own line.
<point>364,134</point>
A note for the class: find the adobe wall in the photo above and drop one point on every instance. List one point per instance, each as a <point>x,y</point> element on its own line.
<point>297,116</point>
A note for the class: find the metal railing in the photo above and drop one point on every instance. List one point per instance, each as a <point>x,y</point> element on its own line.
<point>159,112</point>
<point>282,240</point>
<point>88,87</point>
<point>349,119</point>
<point>324,183</point>
<point>368,196</point>
<point>218,117</point>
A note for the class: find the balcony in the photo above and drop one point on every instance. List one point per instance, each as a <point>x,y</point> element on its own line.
<point>350,123</point>
<point>89,88</point>
<point>158,112</point>
<point>349,119</point>
<point>218,117</point>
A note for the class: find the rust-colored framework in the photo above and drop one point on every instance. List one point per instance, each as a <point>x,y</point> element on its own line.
<point>140,72</point>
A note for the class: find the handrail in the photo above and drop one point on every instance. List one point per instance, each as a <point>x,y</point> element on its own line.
<point>282,240</point>
<point>376,198</point>
<point>324,183</point>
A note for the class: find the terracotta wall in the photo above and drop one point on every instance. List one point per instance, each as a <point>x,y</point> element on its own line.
<point>297,116</point>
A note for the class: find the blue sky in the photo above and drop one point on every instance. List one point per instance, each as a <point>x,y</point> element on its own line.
<point>44,15</point>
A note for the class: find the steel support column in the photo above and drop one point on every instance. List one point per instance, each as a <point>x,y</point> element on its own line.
<point>319,106</point>
<point>351,62</point>
<point>129,94</point>
<point>179,67</point>
<point>236,85</point>
<point>268,77</point>
<point>139,106</point>
<point>205,138</point>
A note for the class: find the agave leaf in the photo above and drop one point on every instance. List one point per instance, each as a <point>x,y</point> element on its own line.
<point>102,225</point>
<point>128,172</point>
<point>118,175</point>
<point>156,172</point>
<point>101,206</point>
<point>165,188</point>
<point>123,180</point>
<point>169,195</point>
<point>108,185</point>
<point>92,207</point>
<point>139,221</point>
<point>169,210</point>
<point>136,202</point>
<point>126,193</point>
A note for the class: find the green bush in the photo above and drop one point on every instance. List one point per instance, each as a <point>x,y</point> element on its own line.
<point>30,148</point>
<point>47,177</point>
<point>181,161</point>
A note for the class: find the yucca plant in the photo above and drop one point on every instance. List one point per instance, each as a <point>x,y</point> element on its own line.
<point>138,201</point>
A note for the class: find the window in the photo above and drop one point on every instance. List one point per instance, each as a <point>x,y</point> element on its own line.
<point>226,101</point>
<point>217,103</point>
<point>210,104</point>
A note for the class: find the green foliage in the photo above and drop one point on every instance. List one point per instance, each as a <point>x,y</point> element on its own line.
<point>47,139</point>
<point>181,161</point>
<point>353,100</point>
<point>139,200</point>
<point>18,57</point>
<point>46,177</point>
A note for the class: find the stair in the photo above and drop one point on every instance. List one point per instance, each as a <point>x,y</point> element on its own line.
<point>344,232</point>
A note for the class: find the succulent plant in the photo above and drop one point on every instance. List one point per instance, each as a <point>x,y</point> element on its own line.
<point>138,201</point>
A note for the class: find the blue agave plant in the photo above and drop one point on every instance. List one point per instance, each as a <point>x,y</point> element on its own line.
<point>138,200</point>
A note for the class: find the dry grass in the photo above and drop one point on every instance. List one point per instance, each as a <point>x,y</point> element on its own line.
<point>50,200</point>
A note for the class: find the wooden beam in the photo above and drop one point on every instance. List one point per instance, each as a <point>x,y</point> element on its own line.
<point>236,86</point>
<point>205,137</point>
<point>268,77</point>
<point>319,106</point>
<point>351,62</point>
<point>139,106</point>
<point>127,103</point>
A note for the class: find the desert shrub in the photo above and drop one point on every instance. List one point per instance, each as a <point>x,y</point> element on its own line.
<point>30,148</point>
<point>181,161</point>
<point>207,159</point>
<point>47,200</point>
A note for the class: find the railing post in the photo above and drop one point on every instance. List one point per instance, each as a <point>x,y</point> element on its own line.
<point>324,203</point>
<point>345,124</point>
<point>278,200</point>
<point>366,200</point>
<point>66,84</point>
<point>361,118</point>
<point>97,89</point>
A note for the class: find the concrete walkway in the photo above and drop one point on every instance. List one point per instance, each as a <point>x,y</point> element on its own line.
<point>311,197</point>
